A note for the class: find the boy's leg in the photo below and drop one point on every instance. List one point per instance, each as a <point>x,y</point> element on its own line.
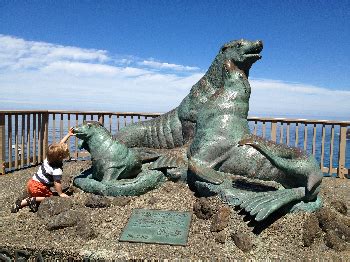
<point>38,193</point>
<point>39,199</point>
<point>24,202</point>
<point>17,206</point>
<point>34,189</point>
<point>32,203</point>
<point>21,202</point>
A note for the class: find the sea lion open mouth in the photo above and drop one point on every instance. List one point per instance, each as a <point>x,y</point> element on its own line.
<point>78,133</point>
<point>253,55</point>
<point>254,52</point>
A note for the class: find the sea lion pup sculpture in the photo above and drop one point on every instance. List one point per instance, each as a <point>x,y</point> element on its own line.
<point>176,128</point>
<point>116,170</point>
<point>223,147</point>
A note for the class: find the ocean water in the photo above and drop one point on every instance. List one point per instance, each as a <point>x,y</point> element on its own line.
<point>55,134</point>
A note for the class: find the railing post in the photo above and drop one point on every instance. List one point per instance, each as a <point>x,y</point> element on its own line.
<point>342,147</point>
<point>101,119</point>
<point>45,126</point>
<point>273,131</point>
<point>2,143</point>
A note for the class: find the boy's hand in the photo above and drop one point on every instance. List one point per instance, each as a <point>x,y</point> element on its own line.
<point>71,132</point>
<point>66,137</point>
<point>64,195</point>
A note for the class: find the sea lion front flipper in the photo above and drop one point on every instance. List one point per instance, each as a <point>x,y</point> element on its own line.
<point>174,165</point>
<point>166,161</point>
<point>204,173</point>
<point>146,155</point>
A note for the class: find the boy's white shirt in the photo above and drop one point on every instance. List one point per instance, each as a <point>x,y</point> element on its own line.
<point>56,173</point>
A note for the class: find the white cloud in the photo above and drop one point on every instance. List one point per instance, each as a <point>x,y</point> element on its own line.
<point>19,54</point>
<point>90,69</point>
<point>278,98</point>
<point>159,65</point>
<point>37,75</point>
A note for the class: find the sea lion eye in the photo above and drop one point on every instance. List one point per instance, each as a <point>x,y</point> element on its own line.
<point>224,48</point>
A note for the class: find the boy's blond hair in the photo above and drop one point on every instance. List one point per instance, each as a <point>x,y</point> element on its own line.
<point>57,152</point>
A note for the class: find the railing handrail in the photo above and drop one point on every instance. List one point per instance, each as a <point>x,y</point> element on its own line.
<point>22,111</point>
<point>78,112</point>
<point>299,120</point>
<point>132,113</point>
<point>103,113</point>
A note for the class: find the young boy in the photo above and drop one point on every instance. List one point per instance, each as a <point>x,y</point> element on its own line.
<point>49,174</point>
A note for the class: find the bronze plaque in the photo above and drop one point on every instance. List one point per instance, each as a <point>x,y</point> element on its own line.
<point>157,226</point>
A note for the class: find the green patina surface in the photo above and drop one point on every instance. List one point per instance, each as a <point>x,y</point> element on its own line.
<point>205,141</point>
<point>157,226</point>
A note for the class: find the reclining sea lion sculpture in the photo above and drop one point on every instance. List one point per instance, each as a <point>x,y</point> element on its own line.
<point>206,140</point>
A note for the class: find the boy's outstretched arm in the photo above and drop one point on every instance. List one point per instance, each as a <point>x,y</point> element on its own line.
<point>65,138</point>
<point>58,187</point>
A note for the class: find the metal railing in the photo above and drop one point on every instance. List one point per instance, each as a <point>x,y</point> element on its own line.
<point>25,135</point>
<point>323,138</point>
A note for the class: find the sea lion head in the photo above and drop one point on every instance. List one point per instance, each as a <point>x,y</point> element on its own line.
<point>243,53</point>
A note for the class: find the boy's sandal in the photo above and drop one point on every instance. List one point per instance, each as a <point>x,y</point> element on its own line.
<point>16,206</point>
<point>33,205</point>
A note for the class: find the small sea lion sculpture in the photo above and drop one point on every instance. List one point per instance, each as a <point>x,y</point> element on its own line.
<point>116,170</point>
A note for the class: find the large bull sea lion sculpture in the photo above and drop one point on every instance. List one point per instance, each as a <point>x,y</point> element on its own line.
<point>176,128</point>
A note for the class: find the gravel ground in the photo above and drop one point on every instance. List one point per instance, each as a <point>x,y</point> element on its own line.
<point>282,239</point>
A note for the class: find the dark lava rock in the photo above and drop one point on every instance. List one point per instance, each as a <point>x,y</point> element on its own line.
<point>202,208</point>
<point>53,206</point>
<point>221,219</point>
<point>5,255</point>
<point>325,217</point>
<point>96,201</point>
<point>311,230</point>
<point>152,200</point>
<point>23,195</point>
<point>121,201</point>
<point>329,220</point>
<point>340,206</point>
<point>167,187</point>
<point>242,241</point>
<point>85,230</point>
<point>220,237</point>
<point>68,218</point>
<point>21,255</point>
<point>334,242</point>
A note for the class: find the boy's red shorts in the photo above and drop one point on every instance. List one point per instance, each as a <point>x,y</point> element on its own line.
<point>37,189</point>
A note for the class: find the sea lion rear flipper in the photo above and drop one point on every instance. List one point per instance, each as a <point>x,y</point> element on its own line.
<point>262,204</point>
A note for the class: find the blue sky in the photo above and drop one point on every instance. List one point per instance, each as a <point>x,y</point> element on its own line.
<point>146,55</point>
